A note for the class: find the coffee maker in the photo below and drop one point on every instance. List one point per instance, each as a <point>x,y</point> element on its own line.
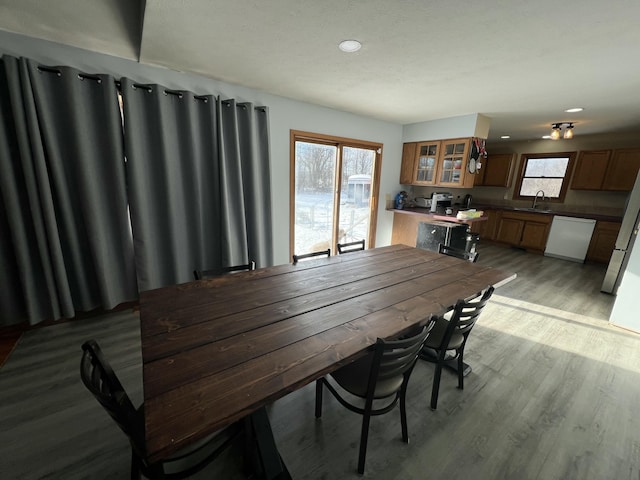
<point>440,202</point>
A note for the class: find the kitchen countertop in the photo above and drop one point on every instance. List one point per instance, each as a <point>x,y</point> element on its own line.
<point>452,218</point>
<point>426,212</point>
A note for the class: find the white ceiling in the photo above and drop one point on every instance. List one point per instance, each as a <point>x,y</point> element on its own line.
<point>519,62</point>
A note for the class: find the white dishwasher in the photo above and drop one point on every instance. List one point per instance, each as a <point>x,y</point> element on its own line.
<point>569,238</point>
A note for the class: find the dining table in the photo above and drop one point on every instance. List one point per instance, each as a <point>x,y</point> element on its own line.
<point>220,350</point>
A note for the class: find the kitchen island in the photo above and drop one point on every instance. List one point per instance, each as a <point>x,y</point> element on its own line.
<point>406,221</point>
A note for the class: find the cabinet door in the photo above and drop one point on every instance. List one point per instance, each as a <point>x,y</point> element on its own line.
<point>426,163</point>
<point>496,170</point>
<point>407,168</point>
<point>510,231</point>
<point>453,163</point>
<point>590,169</point>
<point>623,169</point>
<point>603,241</point>
<point>534,235</point>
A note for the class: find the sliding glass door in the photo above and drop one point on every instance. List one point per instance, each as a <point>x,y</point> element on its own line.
<point>334,189</point>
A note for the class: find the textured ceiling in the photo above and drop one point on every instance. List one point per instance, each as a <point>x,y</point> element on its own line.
<point>521,63</point>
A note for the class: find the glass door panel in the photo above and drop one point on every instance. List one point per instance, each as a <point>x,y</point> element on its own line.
<point>315,175</point>
<point>427,158</point>
<point>355,198</point>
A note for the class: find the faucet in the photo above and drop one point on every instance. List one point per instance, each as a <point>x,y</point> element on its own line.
<point>535,199</point>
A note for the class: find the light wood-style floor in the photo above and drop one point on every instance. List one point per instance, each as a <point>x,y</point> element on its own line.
<point>554,394</point>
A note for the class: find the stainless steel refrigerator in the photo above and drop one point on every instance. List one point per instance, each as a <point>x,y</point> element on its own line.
<point>624,242</point>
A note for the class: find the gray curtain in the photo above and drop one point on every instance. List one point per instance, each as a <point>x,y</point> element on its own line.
<point>66,243</point>
<point>196,184</point>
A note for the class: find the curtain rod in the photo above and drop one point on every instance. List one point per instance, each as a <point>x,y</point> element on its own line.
<point>148,88</point>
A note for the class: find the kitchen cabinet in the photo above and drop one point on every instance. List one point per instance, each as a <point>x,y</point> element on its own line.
<point>613,170</point>
<point>622,170</point>
<point>525,230</point>
<point>407,174</point>
<point>590,170</point>
<point>405,229</point>
<point>419,162</point>
<point>603,241</point>
<point>487,229</point>
<point>439,162</point>
<point>496,170</point>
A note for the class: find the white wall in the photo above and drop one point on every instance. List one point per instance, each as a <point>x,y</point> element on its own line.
<point>284,115</point>
<point>463,126</point>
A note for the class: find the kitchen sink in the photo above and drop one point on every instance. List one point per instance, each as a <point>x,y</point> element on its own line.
<point>534,210</point>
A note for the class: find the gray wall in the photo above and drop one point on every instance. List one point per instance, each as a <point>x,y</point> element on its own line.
<point>285,115</point>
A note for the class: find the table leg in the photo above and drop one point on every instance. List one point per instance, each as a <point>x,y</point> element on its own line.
<point>261,446</point>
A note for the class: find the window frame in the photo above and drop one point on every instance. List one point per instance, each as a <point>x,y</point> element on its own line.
<point>525,157</point>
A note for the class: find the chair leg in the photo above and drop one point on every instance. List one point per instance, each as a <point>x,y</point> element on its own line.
<point>364,436</point>
<point>318,398</point>
<point>436,386</point>
<point>461,369</point>
<point>403,416</point>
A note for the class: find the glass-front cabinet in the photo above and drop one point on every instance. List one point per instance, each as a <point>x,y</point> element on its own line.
<point>453,161</point>
<point>426,163</point>
<point>437,162</point>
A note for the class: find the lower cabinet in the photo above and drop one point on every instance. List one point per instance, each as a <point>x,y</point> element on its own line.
<point>405,229</point>
<point>526,230</point>
<point>603,241</point>
<point>487,229</point>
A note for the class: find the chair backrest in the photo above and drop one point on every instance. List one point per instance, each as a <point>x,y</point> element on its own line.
<point>465,314</point>
<point>202,274</point>
<point>397,357</point>
<point>100,379</point>
<point>458,253</point>
<point>351,246</point>
<point>321,253</point>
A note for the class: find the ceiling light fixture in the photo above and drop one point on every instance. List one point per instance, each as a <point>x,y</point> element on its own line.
<point>568,133</point>
<point>350,46</point>
<point>505,136</point>
<point>574,110</point>
<point>556,130</point>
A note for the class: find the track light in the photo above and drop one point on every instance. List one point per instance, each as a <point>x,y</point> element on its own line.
<point>568,133</point>
<point>556,130</point>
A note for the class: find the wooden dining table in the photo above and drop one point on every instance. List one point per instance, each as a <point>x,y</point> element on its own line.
<point>216,351</point>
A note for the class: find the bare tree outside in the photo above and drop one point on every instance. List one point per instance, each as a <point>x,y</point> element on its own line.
<point>315,209</point>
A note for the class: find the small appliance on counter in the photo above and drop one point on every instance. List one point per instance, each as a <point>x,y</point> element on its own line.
<point>422,202</point>
<point>467,201</point>
<point>401,200</point>
<point>440,202</point>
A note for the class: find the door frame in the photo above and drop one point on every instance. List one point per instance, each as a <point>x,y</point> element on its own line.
<point>339,142</point>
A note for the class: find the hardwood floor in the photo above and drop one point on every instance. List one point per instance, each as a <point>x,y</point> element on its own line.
<point>553,395</point>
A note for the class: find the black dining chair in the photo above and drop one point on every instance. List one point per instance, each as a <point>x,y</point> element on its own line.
<point>350,246</point>
<point>100,379</point>
<point>303,256</point>
<point>203,274</point>
<point>458,253</point>
<point>382,374</point>
<point>450,334</point>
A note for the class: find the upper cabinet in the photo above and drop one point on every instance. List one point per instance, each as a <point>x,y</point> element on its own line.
<point>496,170</point>
<point>622,170</point>
<point>439,162</point>
<point>606,170</point>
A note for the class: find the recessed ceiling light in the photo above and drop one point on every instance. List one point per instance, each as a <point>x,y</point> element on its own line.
<point>546,137</point>
<point>350,46</point>
<point>574,110</point>
<point>505,136</point>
